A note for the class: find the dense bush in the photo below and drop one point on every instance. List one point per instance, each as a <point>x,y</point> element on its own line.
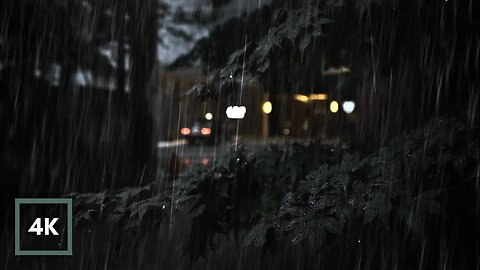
<point>398,200</point>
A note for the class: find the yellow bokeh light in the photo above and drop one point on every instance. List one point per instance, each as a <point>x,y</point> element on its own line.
<point>306,99</point>
<point>267,107</point>
<point>301,98</point>
<point>318,96</point>
<point>334,106</point>
<point>209,116</point>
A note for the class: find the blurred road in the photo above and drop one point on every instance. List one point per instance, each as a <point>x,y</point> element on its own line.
<point>189,154</point>
<point>175,156</point>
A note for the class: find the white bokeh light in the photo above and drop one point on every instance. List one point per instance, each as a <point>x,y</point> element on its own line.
<point>236,112</point>
<point>348,107</point>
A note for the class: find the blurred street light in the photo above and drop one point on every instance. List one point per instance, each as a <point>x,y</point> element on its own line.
<point>236,112</point>
<point>267,107</point>
<point>334,106</point>
<point>209,116</point>
<point>348,107</point>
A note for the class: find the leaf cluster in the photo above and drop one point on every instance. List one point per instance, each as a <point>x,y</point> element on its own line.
<point>400,184</point>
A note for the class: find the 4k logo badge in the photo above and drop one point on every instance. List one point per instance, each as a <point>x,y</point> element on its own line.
<point>43,226</point>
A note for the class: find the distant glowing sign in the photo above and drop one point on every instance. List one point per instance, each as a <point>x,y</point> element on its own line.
<point>312,97</point>
<point>318,96</point>
<point>236,112</point>
<point>302,98</point>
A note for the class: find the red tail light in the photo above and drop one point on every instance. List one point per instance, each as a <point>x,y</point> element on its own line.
<point>206,131</point>
<point>185,131</point>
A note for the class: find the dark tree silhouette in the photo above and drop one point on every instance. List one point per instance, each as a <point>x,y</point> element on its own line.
<point>103,126</point>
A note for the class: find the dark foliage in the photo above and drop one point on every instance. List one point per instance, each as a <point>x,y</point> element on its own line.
<point>402,183</point>
<point>325,201</point>
<point>290,31</point>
